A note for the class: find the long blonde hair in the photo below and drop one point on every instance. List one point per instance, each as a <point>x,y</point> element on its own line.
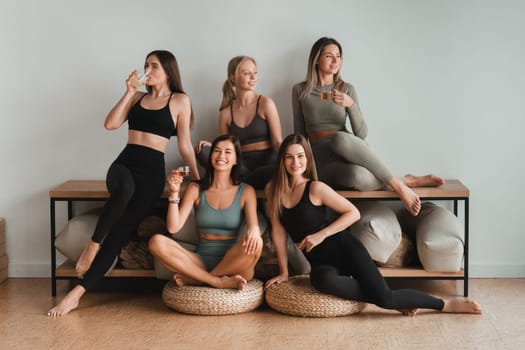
<point>280,182</point>
<point>312,74</point>
<point>228,88</point>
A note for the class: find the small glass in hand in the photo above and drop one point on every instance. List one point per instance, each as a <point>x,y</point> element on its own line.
<point>183,171</point>
<point>139,80</point>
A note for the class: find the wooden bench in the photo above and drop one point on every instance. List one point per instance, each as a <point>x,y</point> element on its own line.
<point>95,190</point>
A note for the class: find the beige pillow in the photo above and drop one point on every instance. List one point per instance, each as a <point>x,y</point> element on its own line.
<point>76,235</point>
<point>378,230</point>
<point>439,236</point>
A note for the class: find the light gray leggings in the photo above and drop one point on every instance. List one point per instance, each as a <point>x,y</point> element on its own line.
<point>343,160</point>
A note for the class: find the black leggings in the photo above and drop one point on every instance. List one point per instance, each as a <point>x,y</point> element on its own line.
<point>341,266</point>
<point>135,182</point>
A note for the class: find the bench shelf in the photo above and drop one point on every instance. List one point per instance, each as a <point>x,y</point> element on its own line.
<point>95,190</point>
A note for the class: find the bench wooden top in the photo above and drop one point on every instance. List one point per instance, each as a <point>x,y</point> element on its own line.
<point>67,269</point>
<point>96,189</point>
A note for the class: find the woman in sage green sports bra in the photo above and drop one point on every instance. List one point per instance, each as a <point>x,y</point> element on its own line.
<point>225,257</point>
<point>344,160</point>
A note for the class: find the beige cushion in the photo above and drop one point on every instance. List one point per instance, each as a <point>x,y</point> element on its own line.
<point>439,236</point>
<point>378,230</point>
<point>76,235</point>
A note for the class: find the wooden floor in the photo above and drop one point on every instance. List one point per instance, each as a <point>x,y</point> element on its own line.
<point>128,317</point>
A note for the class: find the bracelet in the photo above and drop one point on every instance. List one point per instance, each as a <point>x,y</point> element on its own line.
<point>174,200</point>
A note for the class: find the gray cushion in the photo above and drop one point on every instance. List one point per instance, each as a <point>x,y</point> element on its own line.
<point>378,230</point>
<point>439,236</point>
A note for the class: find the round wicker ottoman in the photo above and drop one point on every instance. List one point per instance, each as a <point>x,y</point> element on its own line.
<point>297,297</point>
<point>201,300</point>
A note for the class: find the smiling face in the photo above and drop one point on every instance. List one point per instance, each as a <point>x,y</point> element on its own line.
<point>223,156</point>
<point>329,61</point>
<point>246,76</point>
<point>295,160</point>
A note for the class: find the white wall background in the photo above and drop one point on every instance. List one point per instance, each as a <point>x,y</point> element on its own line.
<point>440,84</point>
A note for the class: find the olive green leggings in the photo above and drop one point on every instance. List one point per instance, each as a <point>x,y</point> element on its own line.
<point>344,160</point>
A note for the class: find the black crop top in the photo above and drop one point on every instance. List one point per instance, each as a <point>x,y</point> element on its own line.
<point>256,131</point>
<point>157,121</point>
<point>305,218</point>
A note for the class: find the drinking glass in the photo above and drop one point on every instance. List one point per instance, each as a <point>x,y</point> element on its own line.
<point>139,80</point>
<point>325,95</point>
<point>183,170</point>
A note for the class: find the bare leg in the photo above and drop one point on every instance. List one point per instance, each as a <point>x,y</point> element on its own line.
<point>462,306</point>
<point>188,264</point>
<point>68,303</point>
<point>86,258</point>
<point>409,198</point>
<point>237,262</point>
<point>429,180</point>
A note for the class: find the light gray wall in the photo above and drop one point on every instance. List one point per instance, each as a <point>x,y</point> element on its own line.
<point>440,83</point>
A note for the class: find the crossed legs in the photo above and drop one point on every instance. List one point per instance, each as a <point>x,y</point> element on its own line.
<point>233,271</point>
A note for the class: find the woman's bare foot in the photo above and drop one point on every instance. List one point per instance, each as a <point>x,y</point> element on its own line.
<point>86,258</point>
<point>409,198</point>
<point>181,281</point>
<point>461,306</point>
<point>236,281</point>
<point>429,180</point>
<point>69,303</point>
<point>409,312</point>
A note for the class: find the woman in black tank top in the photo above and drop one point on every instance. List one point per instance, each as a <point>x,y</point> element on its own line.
<point>252,118</point>
<point>136,179</point>
<point>341,265</point>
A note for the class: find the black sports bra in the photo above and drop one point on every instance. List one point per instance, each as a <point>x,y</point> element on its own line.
<point>304,218</point>
<point>256,131</point>
<point>157,121</point>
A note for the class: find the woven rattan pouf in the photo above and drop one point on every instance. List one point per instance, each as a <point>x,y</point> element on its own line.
<point>297,297</point>
<point>201,300</point>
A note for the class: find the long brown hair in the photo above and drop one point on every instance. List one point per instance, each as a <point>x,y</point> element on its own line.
<point>280,182</point>
<point>228,88</point>
<point>171,68</point>
<point>312,74</point>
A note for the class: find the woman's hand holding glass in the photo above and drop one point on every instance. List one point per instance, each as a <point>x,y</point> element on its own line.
<point>136,80</point>
<point>175,179</point>
<point>342,99</point>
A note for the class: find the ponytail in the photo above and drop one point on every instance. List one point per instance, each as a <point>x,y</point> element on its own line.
<point>228,94</point>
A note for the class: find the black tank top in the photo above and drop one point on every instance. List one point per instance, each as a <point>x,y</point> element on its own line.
<point>158,121</point>
<point>256,131</point>
<point>305,218</point>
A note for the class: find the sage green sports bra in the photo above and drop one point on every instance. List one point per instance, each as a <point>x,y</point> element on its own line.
<point>221,222</point>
